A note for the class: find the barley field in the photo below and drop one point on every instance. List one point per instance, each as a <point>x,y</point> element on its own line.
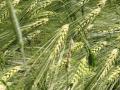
<point>59,44</point>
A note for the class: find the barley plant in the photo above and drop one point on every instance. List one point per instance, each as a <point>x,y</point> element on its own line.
<point>59,44</point>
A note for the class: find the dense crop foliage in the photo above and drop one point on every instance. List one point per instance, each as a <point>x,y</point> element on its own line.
<point>59,44</point>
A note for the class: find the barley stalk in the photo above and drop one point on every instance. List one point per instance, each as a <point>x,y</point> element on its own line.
<point>16,27</point>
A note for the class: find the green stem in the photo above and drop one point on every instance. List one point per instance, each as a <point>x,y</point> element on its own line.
<point>16,27</point>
